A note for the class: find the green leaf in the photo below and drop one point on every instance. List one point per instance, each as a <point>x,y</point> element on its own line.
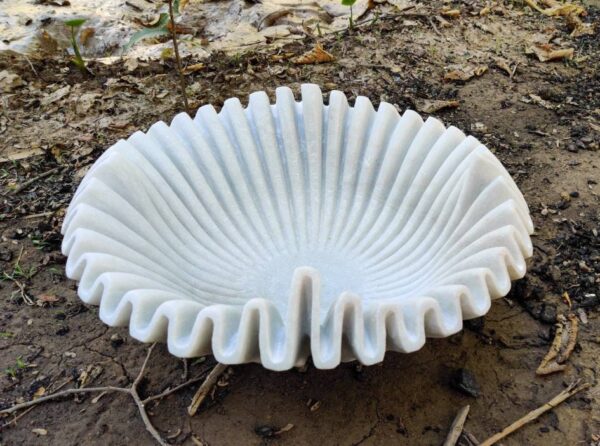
<point>160,28</point>
<point>75,22</point>
<point>348,2</point>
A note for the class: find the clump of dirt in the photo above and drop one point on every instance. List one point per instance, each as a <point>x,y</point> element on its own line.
<point>540,119</point>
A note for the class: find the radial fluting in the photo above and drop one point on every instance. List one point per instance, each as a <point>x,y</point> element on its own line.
<point>280,231</point>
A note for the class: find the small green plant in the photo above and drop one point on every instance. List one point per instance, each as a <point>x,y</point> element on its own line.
<point>19,272</point>
<point>164,26</point>
<point>14,370</point>
<point>39,243</point>
<point>350,3</point>
<point>77,60</point>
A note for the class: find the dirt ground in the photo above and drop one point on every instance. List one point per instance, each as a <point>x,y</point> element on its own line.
<point>544,125</point>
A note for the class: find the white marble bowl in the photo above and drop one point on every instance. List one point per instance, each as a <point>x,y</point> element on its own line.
<point>276,232</point>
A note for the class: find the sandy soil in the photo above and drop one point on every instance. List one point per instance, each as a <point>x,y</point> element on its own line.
<point>543,123</point>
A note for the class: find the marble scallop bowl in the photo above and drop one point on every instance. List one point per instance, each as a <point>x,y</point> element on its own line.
<point>281,231</point>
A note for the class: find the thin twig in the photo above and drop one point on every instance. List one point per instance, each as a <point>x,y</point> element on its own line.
<point>435,29</point>
<point>205,388</point>
<point>132,391</point>
<point>177,58</point>
<point>457,426</point>
<point>17,418</point>
<point>31,65</point>
<point>534,414</point>
<point>61,394</point>
<point>174,389</point>
<point>29,182</point>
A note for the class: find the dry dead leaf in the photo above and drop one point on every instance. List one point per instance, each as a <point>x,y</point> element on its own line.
<point>506,66</point>
<point>47,299</point>
<point>565,339</point>
<point>556,8</point>
<point>85,102</point>
<point>578,28</point>
<point>193,68</point>
<point>39,392</point>
<point>282,56</point>
<point>46,43</point>
<point>314,56</point>
<point>85,35</point>
<point>465,73</point>
<point>10,81</point>
<point>434,105</point>
<point>450,13</point>
<point>56,96</point>
<point>545,52</point>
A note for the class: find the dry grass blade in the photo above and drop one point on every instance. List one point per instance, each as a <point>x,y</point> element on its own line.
<point>534,414</point>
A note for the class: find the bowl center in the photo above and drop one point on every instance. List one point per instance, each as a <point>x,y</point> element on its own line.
<point>272,280</point>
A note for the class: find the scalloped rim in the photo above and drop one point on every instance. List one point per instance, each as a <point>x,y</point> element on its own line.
<point>352,329</point>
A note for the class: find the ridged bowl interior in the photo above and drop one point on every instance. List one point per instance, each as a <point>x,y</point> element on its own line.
<point>275,232</point>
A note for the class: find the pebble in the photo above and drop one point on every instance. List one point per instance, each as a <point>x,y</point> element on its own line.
<point>476,324</point>
<point>574,194</point>
<point>465,381</point>
<point>116,340</point>
<point>548,313</point>
<point>265,431</point>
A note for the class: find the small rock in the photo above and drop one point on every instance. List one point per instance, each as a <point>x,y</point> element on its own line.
<point>476,324</point>
<point>548,313</point>
<point>574,194</point>
<point>116,340</point>
<point>265,431</point>
<point>62,330</point>
<point>572,148</point>
<point>465,381</point>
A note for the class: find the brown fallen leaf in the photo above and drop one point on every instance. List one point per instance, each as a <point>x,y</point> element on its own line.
<point>545,52</point>
<point>281,56</point>
<point>39,392</point>
<point>578,28</point>
<point>193,68</point>
<point>10,81</point>
<point>464,74</point>
<point>314,56</point>
<point>47,299</point>
<point>565,339</point>
<point>450,13</point>
<point>505,65</point>
<point>434,105</point>
<point>46,44</point>
<point>85,35</point>
<point>56,95</point>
